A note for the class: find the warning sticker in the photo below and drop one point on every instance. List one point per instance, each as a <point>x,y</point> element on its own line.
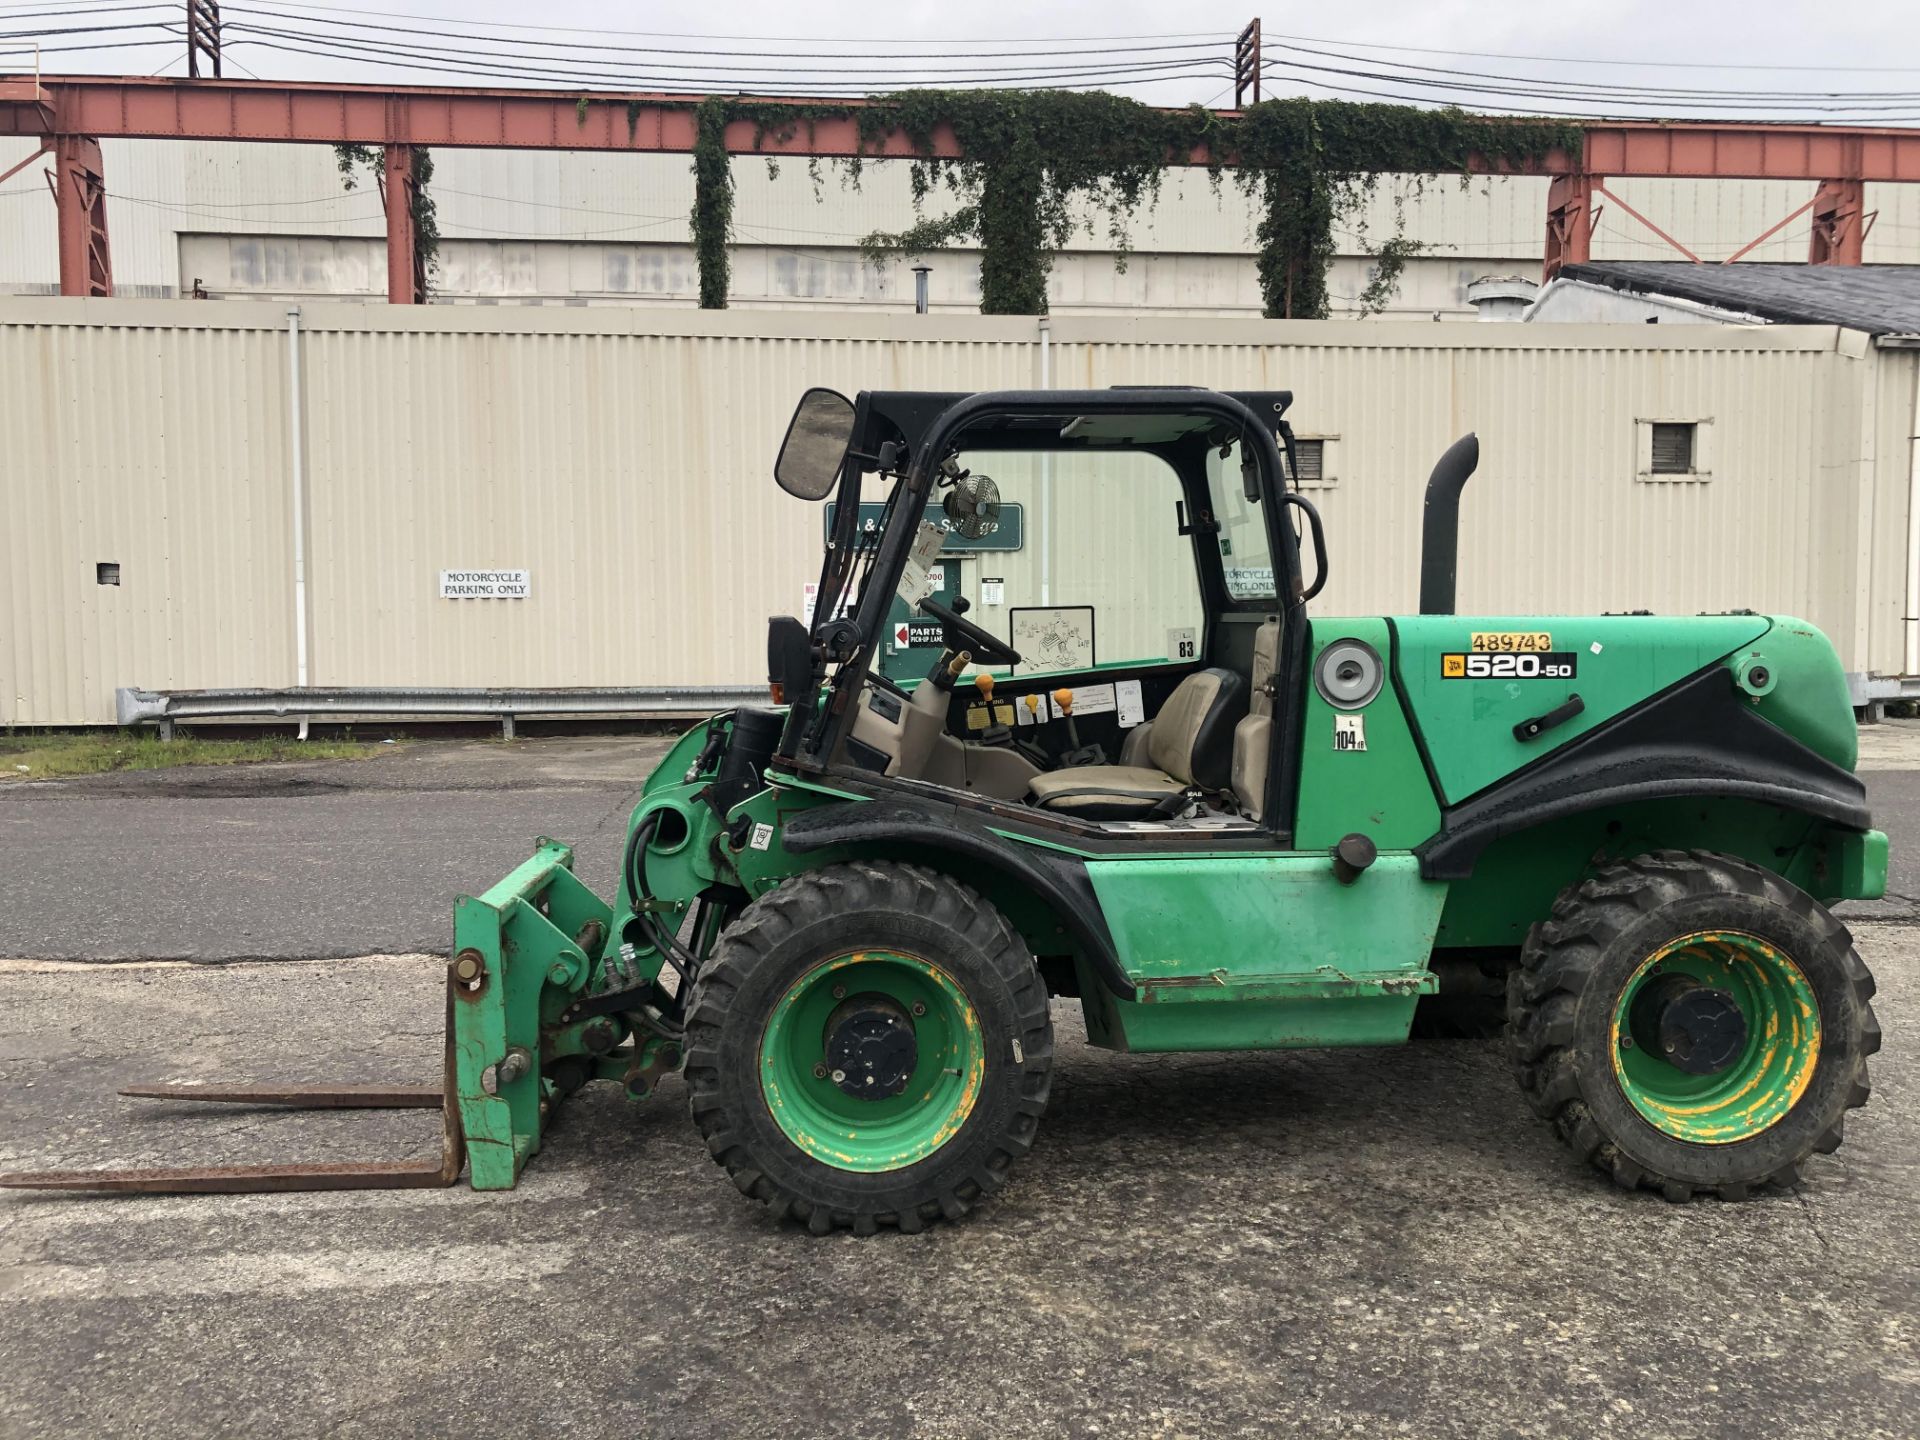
<point>1349,732</point>
<point>916,580</point>
<point>1088,700</point>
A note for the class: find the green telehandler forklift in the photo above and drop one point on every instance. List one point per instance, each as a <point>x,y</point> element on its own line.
<point>1139,771</point>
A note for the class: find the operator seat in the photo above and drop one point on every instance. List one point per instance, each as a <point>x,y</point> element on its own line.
<point>1190,746</point>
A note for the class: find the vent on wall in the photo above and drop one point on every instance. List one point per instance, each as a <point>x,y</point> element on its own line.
<point>107,572</point>
<point>1672,448</point>
<point>1312,455</point>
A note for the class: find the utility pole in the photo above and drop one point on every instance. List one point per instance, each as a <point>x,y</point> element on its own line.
<point>1246,65</point>
<point>203,36</point>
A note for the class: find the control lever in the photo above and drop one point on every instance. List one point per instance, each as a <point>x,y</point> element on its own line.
<point>1026,747</point>
<point>991,734</point>
<point>1077,754</point>
<point>1063,697</point>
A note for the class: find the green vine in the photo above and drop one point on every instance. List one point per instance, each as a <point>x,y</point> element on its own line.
<point>712,200</point>
<point>1312,163</point>
<point>350,159</point>
<point>1389,262</point>
<point>1033,163</point>
<point>1028,160</point>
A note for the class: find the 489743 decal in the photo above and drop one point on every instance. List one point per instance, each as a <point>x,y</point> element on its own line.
<point>1526,665</point>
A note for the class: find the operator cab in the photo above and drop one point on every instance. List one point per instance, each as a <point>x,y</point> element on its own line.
<point>1072,605</point>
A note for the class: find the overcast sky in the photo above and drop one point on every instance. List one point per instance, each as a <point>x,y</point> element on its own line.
<point>1869,45</point>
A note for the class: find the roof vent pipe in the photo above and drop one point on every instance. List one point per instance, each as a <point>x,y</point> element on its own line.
<point>1440,526</point>
<point>1501,297</point>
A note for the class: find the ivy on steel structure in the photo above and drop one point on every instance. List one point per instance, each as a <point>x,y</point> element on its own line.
<point>70,115</point>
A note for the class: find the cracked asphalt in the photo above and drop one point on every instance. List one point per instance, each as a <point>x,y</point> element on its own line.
<point>1338,1243</point>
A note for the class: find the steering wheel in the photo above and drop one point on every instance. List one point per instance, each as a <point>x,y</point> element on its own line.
<point>984,646</point>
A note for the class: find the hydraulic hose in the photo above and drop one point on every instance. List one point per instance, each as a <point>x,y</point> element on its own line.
<point>635,866</point>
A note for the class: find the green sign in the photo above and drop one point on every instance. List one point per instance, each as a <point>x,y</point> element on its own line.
<point>1004,536</point>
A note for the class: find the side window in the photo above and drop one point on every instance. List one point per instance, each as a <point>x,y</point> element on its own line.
<point>1098,573</point>
<point>1245,555</point>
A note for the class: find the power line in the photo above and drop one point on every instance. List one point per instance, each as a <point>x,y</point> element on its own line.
<point>729,39</point>
<point>77,49</point>
<point>1862,103</point>
<point>380,50</point>
<point>1501,105</point>
<point>606,77</point>
<point>68,11</point>
<point>201,214</point>
<point>733,51</point>
<point>1609,89</point>
<point>1592,60</point>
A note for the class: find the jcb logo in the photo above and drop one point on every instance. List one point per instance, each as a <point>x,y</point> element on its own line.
<point>1554,665</point>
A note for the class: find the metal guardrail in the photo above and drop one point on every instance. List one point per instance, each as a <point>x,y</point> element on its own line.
<point>164,708</point>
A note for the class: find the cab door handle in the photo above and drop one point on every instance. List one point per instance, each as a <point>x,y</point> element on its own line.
<point>1533,729</point>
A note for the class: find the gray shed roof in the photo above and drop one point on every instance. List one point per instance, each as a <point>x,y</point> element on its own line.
<point>1879,299</point>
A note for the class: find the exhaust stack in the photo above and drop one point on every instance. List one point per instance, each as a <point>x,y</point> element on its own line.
<point>1440,526</point>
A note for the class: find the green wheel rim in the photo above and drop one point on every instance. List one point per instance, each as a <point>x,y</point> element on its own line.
<point>1773,1067</point>
<point>852,1132</point>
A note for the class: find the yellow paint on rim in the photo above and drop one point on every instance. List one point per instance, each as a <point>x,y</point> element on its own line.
<point>1772,1073</point>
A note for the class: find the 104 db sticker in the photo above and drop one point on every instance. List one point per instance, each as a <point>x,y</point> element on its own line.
<point>1526,665</point>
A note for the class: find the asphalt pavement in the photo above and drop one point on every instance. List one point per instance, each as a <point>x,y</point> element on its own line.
<point>298,861</point>
<point>1339,1242</point>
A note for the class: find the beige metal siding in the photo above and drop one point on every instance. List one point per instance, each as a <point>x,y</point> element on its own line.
<point>1556,520</point>
<point>630,473</point>
<point>160,449</point>
<point>624,458</point>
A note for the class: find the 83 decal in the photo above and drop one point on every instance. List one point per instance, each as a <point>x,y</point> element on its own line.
<point>1509,665</point>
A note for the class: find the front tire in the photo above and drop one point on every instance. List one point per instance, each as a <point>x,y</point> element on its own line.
<point>869,1045</point>
<point>1691,1022</point>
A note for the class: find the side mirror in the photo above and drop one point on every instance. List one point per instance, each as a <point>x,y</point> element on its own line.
<point>816,446</point>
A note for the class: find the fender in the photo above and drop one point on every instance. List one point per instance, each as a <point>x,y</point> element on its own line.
<point>1059,880</point>
<point>1698,737</point>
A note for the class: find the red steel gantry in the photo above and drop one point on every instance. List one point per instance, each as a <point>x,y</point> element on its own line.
<point>70,115</point>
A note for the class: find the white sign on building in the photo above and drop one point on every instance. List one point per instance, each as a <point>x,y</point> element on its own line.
<point>483,584</point>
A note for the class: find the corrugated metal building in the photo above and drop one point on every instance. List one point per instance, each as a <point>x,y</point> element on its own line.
<point>548,227</point>
<point>623,457</point>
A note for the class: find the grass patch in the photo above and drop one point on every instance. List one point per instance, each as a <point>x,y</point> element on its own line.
<point>44,755</point>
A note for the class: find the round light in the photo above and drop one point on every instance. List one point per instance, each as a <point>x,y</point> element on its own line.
<point>1348,674</point>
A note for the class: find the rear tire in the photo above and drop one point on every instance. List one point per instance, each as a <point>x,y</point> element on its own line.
<point>913,948</point>
<point>1747,941</point>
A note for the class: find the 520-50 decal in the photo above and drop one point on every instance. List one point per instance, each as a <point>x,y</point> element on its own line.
<point>1526,665</point>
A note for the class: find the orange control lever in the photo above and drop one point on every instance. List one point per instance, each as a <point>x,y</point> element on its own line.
<point>1063,697</point>
<point>983,682</point>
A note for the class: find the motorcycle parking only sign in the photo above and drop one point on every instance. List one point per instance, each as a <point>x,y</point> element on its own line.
<point>483,585</point>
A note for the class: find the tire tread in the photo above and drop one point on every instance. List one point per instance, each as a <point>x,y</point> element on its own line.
<point>1562,954</point>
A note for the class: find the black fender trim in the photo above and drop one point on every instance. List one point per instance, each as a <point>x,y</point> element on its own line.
<point>1699,737</point>
<point>1060,880</point>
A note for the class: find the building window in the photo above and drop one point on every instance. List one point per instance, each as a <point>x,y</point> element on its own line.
<point>106,572</point>
<point>1672,448</point>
